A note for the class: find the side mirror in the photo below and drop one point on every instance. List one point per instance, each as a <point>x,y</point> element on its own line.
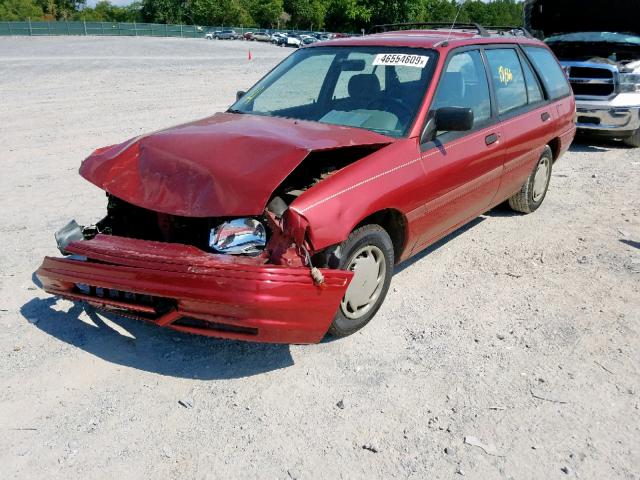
<point>454,119</point>
<point>428,131</point>
<point>240,94</point>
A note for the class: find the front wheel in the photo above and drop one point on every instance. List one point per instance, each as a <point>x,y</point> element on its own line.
<point>534,190</point>
<point>633,140</point>
<point>368,253</point>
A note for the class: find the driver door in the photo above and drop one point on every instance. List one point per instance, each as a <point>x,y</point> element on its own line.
<point>463,170</point>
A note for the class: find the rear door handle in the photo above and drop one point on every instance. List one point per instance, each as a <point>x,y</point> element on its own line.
<point>490,139</point>
<point>545,116</point>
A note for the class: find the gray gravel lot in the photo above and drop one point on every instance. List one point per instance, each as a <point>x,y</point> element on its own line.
<point>518,332</point>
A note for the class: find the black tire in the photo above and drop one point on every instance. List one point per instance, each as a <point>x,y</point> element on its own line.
<point>633,140</point>
<point>525,200</point>
<point>368,235</point>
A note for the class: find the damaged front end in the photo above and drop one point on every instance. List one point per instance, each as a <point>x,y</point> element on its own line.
<point>274,295</point>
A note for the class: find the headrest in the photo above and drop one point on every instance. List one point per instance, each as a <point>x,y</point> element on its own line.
<point>364,85</point>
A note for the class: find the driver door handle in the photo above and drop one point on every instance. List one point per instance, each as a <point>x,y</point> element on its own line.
<point>491,139</point>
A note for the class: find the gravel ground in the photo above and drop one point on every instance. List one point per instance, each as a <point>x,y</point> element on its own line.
<point>519,333</point>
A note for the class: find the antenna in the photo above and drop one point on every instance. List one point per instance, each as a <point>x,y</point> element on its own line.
<point>454,21</point>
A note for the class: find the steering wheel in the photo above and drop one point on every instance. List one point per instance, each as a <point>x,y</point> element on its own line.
<point>395,105</point>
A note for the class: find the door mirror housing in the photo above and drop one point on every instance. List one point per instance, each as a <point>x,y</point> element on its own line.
<point>454,119</point>
<point>428,131</point>
<point>240,94</point>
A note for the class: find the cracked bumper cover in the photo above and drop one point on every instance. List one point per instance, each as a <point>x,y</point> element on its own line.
<point>185,289</point>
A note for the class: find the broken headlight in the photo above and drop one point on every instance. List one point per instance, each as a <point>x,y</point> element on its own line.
<point>242,236</point>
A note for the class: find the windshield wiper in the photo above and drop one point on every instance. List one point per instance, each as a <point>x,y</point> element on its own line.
<point>234,110</point>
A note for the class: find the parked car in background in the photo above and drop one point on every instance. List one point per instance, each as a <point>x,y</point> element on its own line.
<point>279,39</point>
<point>226,35</point>
<point>598,44</point>
<point>294,40</point>
<point>282,219</point>
<point>261,36</point>
<point>212,35</point>
<point>308,39</point>
<point>247,35</point>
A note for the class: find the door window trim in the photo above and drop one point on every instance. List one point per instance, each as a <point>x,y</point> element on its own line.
<point>489,122</point>
<point>528,107</point>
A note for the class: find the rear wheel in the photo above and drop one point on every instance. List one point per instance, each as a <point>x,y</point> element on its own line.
<point>633,140</point>
<point>368,253</point>
<point>534,190</point>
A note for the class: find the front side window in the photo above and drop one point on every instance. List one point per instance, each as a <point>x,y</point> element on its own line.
<point>508,79</point>
<point>552,76</point>
<point>464,84</point>
<point>350,86</point>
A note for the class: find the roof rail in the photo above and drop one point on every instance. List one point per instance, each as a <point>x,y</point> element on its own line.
<point>510,30</point>
<point>450,25</point>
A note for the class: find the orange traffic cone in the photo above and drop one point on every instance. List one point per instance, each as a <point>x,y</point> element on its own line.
<point>250,57</point>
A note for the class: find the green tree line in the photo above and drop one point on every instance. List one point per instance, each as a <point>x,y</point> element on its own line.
<point>332,15</point>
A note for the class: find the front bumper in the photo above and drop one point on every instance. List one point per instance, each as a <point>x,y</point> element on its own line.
<point>613,121</point>
<point>185,289</point>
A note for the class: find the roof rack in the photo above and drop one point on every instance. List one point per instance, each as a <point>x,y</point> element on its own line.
<point>450,25</point>
<point>509,30</point>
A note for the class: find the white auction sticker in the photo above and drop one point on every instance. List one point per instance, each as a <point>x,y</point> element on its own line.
<point>401,59</point>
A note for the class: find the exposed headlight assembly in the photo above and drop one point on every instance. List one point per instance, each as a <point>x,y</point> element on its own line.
<point>629,83</point>
<point>242,236</point>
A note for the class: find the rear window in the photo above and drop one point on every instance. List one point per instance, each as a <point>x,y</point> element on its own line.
<point>553,78</point>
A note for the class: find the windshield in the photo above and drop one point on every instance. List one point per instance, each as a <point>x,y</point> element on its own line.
<point>375,88</point>
<point>607,37</point>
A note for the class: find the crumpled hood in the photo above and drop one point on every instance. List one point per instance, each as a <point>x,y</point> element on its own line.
<point>224,165</point>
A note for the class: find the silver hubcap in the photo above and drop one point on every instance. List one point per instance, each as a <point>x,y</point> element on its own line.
<point>541,179</point>
<point>369,270</point>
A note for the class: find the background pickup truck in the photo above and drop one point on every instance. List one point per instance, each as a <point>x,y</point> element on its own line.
<point>598,44</point>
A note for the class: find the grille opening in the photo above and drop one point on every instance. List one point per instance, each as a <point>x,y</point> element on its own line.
<point>146,306</point>
<point>589,120</point>
<point>603,75</point>
<point>220,327</point>
<point>593,90</point>
<point>588,72</point>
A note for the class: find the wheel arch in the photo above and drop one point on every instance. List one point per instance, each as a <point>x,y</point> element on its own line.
<point>394,223</point>
<point>555,146</point>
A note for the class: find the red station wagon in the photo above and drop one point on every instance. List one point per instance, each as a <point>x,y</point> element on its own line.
<point>282,219</point>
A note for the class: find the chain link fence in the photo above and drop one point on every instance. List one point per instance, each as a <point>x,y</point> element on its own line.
<point>29,28</point>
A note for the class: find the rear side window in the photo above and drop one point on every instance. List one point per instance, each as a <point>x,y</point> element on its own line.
<point>552,75</point>
<point>508,79</point>
<point>464,84</point>
<point>533,88</point>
